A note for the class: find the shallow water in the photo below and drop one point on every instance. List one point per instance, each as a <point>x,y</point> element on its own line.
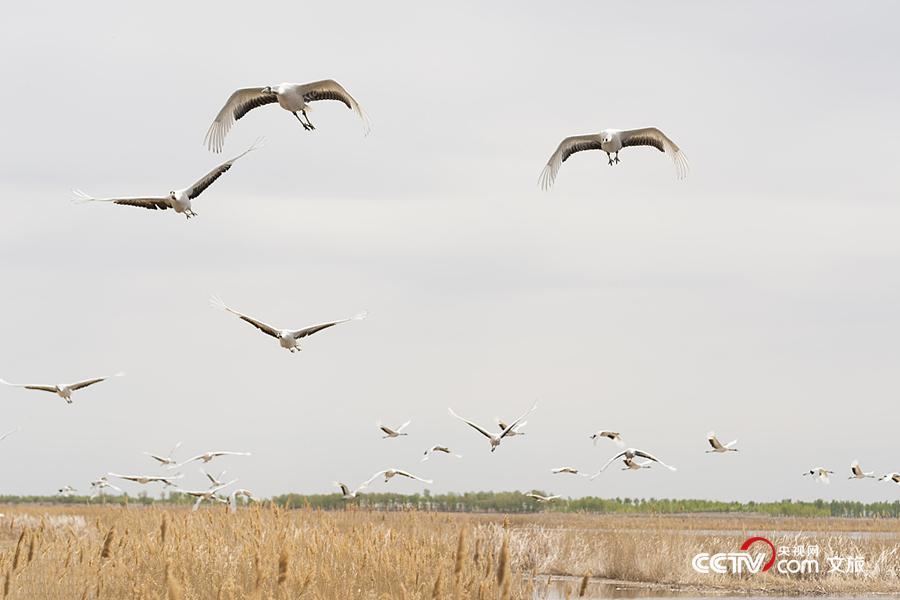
<point>568,588</point>
<point>788,533</point>
<point>561,588</point>
<point>855,535</point>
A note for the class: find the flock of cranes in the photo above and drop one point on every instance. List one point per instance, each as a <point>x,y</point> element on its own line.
<point>297,99</point>
<point>629,456</point>
<point>211,493</point>
<point>168,462</point>
<point>823,475</point>
<point>633,459</point>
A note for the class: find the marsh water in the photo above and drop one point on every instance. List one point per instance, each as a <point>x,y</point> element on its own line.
<point>561,588</point>
<point>789,533</point>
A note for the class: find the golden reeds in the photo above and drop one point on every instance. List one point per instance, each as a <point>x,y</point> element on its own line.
<point>30,555</point>
<point>459,563</point>
<point>503,574</point>
<point>163,527</point>
<point>111,553</point>
<point>584,583</point>
<point>15,562</point>
<point>173,588</point>
<point>257,569</point>
<point>107,544</point>
<point>283,559</point>
<point>436,590</point>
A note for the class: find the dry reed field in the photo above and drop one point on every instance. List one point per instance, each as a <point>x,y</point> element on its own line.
<point>265,552</point>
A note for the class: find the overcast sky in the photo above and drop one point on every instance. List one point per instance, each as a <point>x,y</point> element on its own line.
<point>758,297</point>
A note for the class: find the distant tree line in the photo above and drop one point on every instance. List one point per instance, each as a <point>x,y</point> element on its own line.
<point>143,499</point>
<point>516,502</point>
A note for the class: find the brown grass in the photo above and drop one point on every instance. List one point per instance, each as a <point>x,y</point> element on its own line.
<point>155,553</point>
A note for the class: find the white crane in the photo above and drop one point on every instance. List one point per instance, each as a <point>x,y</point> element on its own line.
<point>179,200</point>
<point>243,493</point>
<point>569,470</point>
<point>612,141</point>
<point>101,483</point>
<point>287,338</point>
<point>145,479</point>
<point>856,472</point>
<point>389,473</point>
<point>540,498</point>
<point>214,481</point>
<point>630,454</point>
<point>612,435</point>
<point>66,491</point>
<point>494,438</point>
<point>443,449</point>
<point>7,434</point>
<point>63,390</point>
<point>292,97</point>
<point>820,473</point>
<point>349,494</point>
<point>717,446</point>
<point>392,433</point>
<point>512,432</point>
<point>209,494</point>
<point>208,456</point>
<point>895,477</point>
<point>167,459</point>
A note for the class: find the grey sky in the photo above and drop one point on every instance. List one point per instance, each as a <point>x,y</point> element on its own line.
<point>758,297</point>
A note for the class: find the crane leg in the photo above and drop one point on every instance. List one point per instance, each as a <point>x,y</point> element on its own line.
<point>305,126</point>
<point>311,126</point>
<point>617,157</point>
<point>609,157</point>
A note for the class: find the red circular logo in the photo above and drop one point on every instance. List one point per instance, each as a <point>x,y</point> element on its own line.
<point>753,540</point>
